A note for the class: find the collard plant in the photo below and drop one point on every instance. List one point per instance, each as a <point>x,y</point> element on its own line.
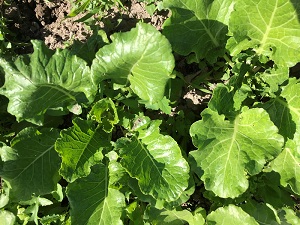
<point>92,138</point>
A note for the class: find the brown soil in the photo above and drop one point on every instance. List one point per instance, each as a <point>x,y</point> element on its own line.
<point>46,20</point>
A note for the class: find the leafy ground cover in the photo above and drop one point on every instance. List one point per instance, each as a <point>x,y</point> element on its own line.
<point>99,132</point>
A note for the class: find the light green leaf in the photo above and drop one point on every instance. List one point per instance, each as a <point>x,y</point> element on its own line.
<point>141,56</point>
<point>81,147</point>
<point>198,26</point>
<point>35,165</point>
<point>93,202</point>
<point>271,26</point>
<point>173,217</point>
<point>7,218</point>
<point>229,151</point>
<point>45,80</point>
<point>287,164</point>
<point>155,160</point>
<point>230,215</point>
<point>105,113</point>
<point>274,77</point>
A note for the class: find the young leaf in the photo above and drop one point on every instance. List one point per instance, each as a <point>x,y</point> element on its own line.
<point>198,26</point>
<point>93,202</point>
<point>287,164</point>
<point>80,148</point>
<point>272,28</point>
<point>105,113</point>
<point>45,80</point>
<point>35,165</point>
<point>230,215</point>
<point>228,150</point>
<point>155,160</point>
<point>141,56</point>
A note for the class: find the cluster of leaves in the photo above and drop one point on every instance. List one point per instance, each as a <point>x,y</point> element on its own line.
<point>86,149</point>
<point>92,7</point>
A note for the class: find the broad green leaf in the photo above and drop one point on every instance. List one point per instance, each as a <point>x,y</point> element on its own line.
<point>7,218</point>
<point>105,113</point>
<point>230,215</point>
<point>271,27</point>
<point>141,56</point>
<point>155,160</point>
<point>173,217</point>
<point>198,26</point>
<point>291,93</point>
<point>287,164</point>
<point>35,165</point>
<point>81,147</point>
<point>45,80</point>
<point>93,202</point>
<point>229,151</point>
<point>284,110</point>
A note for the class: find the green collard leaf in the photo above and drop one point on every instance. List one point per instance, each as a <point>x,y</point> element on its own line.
<point>198,26</point>
<point>105,113</point>
<point>35,165</point>
<point>291,93</point>
<point>274,77</point>
<point>92,201</point>
<point>230,215</point>
<point>222,100</point>
<point>227,99</point>
<point>263,213</point>
<point>80,148</point>
<point>155,160</point>
<point>269,190</point>
<point>287,164</point>
<point>284,110</point>
<point>135,212</point>
<point>228,150</point>
<point>272,28</point>
<point>141,56</point>
<point>45,80</point>
<point>7,218</point>
<point>173,217</point>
